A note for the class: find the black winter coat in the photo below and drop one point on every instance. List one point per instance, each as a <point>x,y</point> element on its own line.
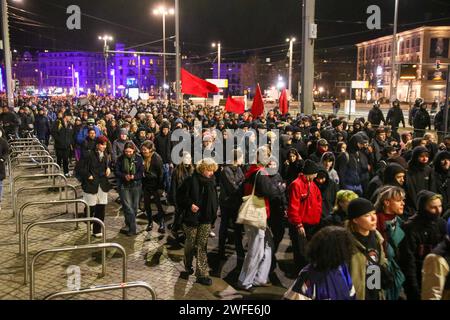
<point>376,116</point>
<point>121,171</point>
<point>42,127</point>
<point>153,178</point>
<point>96,168</point>
<point>163,147</point>
<point>422,120</point>
<point>395,117</point>
<point>63,136</point>
<point>231,179</point>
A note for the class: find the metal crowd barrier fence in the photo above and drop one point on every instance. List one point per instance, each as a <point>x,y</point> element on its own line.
<point>33,177</point>
<point>80,248</point>
<point>137,284</point>
<point>63,221</point>
<point>60,187</point>
<point>30,204</point>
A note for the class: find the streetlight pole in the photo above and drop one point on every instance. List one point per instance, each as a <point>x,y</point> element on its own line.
<point>291,54</point>
<point>219,57</point>
<point>178,53</point>
<point>164,12</point>
<point>7,52</point>
<point>106,38</point>
<point>393,90</point>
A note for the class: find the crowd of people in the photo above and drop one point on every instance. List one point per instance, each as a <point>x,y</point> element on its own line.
<point>365,205</point>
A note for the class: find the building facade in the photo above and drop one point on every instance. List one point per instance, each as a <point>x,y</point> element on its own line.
<point>421,47</point>
<point>233,71</point>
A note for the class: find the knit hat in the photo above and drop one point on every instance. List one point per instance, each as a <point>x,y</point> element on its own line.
<point>310,167</point>
<point>91,121</point>
<point>336,123</point>
<point>124,131</point>
<point>359,207</point>
<point>101,140</point>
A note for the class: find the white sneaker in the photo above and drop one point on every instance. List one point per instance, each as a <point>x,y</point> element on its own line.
<point>98,235</point>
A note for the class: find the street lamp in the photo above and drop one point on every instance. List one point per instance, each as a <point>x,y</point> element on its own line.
<point>106,38</point>
<point>393,91</point>
<point>219,57</point>
<point>291,53</point>
<point>163,11</point>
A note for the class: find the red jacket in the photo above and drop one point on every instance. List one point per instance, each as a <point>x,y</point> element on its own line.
<point>304,207</point>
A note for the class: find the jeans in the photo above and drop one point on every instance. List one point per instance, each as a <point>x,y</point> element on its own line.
<point>258,259</point>
<point>167,177</point>
<point>130,196</point>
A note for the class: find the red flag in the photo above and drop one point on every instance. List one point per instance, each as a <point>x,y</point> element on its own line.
<point>196,86</point>
<point>258,103</point>
<point>234,105</point>
<point>284,108</point>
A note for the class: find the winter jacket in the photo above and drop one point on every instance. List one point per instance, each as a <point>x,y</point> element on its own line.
<point>202,192</point>
<point>63,136</point>
<point>442,179</point>
<point>358,267</point>
<point>122,171</point>
<point>87,147</point>
<point>117,149</point>
<point>42,127</point>
<point>231,179</point>
<point>315,285</point>
<point>419,177</point>
<point>305,202</point>
<point>376,116</point>
<point>163,147</point>
<point>395,117</point>
<point>328,191</point>
<point>436,273</point>
<point>352,166</point>
<point>422,120</point>
<point>153,176</point>
<point>4,152</point>
<point>82,135</point>
<point>93,166</point>
<point>423,232</point>
<point>290,171</point>
<point>439,121</point>
<point>332,173</point>
<point>264,186</point>
<point>10,122</point>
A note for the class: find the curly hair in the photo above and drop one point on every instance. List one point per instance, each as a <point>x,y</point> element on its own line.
<point>330,248</point>
<point>207,164</point>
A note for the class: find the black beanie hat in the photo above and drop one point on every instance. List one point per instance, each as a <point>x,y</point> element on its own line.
<point>310,167</point>
<point>359,207</point>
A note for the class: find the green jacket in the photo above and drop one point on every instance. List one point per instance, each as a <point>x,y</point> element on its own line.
<point>358,267</point>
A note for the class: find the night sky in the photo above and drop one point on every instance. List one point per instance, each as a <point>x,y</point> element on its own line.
<point>240,25</point>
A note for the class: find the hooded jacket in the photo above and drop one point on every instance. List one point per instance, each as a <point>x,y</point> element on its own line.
<point>395,117</point>
<point>442,179</point>
<point>328,191</point>
<point>436,273</point>
<point>423,232</point>
<point>419,177</point>
<point>353,165</point>
<point>305,202</point>
<point>332,173</point>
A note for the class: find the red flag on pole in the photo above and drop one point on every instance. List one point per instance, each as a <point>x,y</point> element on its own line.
<point>235,106</point>
<point>195,86</point>
<point>284,108</point>
<point>258,103</point>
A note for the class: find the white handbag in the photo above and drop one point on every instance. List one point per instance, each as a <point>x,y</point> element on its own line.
<point>253,211</point>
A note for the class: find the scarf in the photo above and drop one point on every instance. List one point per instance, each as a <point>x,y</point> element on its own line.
<point>204,193</point>
<point>129,165</point>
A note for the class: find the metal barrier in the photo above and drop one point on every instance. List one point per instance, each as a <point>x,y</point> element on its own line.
<point>49,165</point>
<point>62,221</point>
<point>14,180</point>
<point>39,154</point>
<point>80,248</point>
<point>137,284</point>
<point>29,204</point>
<point>66,186</point>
